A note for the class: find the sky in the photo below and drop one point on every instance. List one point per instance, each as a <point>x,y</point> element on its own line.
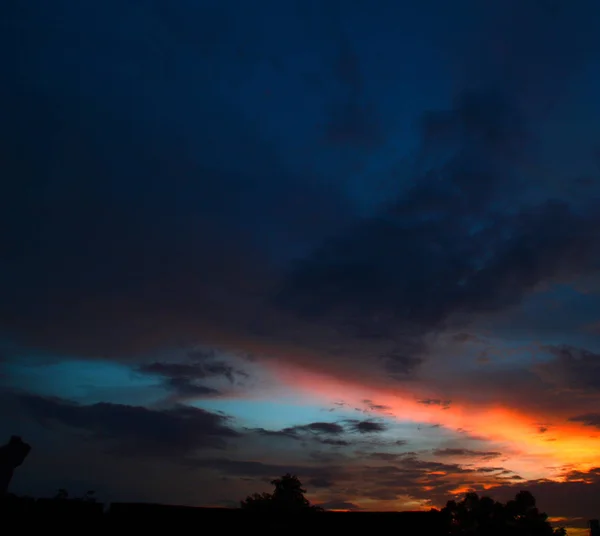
<point>356,241</point>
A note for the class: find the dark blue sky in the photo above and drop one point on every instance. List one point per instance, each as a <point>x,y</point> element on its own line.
<point>210,207</point>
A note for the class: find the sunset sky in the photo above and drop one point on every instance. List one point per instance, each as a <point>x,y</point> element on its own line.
<point>357,241</point>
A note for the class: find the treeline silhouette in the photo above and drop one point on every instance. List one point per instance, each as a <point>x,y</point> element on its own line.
<point>289,510</point>
<point>285,509</point>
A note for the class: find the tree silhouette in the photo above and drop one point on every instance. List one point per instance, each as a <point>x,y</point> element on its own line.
<point>475,516</point>
<point>288,496</point>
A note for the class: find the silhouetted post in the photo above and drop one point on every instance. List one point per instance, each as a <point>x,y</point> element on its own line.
<point>594,527</point>
<point>12,455</point>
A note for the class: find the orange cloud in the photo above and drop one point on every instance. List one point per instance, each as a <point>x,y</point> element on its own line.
<point>526,451</point>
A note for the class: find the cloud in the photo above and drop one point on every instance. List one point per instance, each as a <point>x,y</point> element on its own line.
<point>474,233</point>
<point>335,442</point>
<point>385,456</point>
<point>321,432</point>
<point>588,419</point>
<point>367,427</point>
<point>265,471</point>
<point>327,433</point>
<point>105,151</point>
<point>192,371</point>
<point>154,202</point>
<point>435,402</point>
<point>362,277</point>
<point>177,432</point>
<point>182,378</point>
<point>573,368</point>
<point>329,428</point>
<point>287,433</point>
<point>339,505</point>
<point>353,120</point>
<point>461,452</point>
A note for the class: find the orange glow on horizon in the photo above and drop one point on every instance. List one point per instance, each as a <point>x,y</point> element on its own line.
<point>525,451</point>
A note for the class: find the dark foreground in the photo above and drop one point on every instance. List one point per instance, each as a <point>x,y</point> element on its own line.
<point>89,517</point>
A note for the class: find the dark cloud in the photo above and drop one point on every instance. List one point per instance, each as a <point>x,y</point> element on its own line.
<point>183,378</point>
<point>184,388</point>
<point>354,125</point>
<point>335,442</point>
<point>289,433</point>
<point>136,431</point>
<point>573,368</point>
<point>461,452</point>
<point>354,121</point>
<point>406,476</point>
<point>192,371</point>
<point>465,337</point>
<point>367,427</point>
<point>384,456</point>
<point>339,505</point>
<point>151,200</point>
<point>588,419</point>
<point>323,428</point>
<point>490,469</point>
<point>145,211</point>
<point>363,274</point>
<point>475,233</point>
<point>435,402</point>
<point>321,431</point>
<point>320,483</point>
<point>266,470</point>
<point>316,431</point>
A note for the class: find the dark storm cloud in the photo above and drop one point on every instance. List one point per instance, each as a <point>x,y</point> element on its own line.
<point>575,368</point>
<point>353,120</point>
<point>160,216</point>
<point>473,234</point>
<point>464,239</point>
<point>134,190</point>
<point>588,419</point>
<point>134,430</point>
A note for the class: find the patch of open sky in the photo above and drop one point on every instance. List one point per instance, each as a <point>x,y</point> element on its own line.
<point>274,415</point>
<point>83,381</point>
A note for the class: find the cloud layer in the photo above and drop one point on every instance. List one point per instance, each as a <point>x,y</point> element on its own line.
<point>358,244</point>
